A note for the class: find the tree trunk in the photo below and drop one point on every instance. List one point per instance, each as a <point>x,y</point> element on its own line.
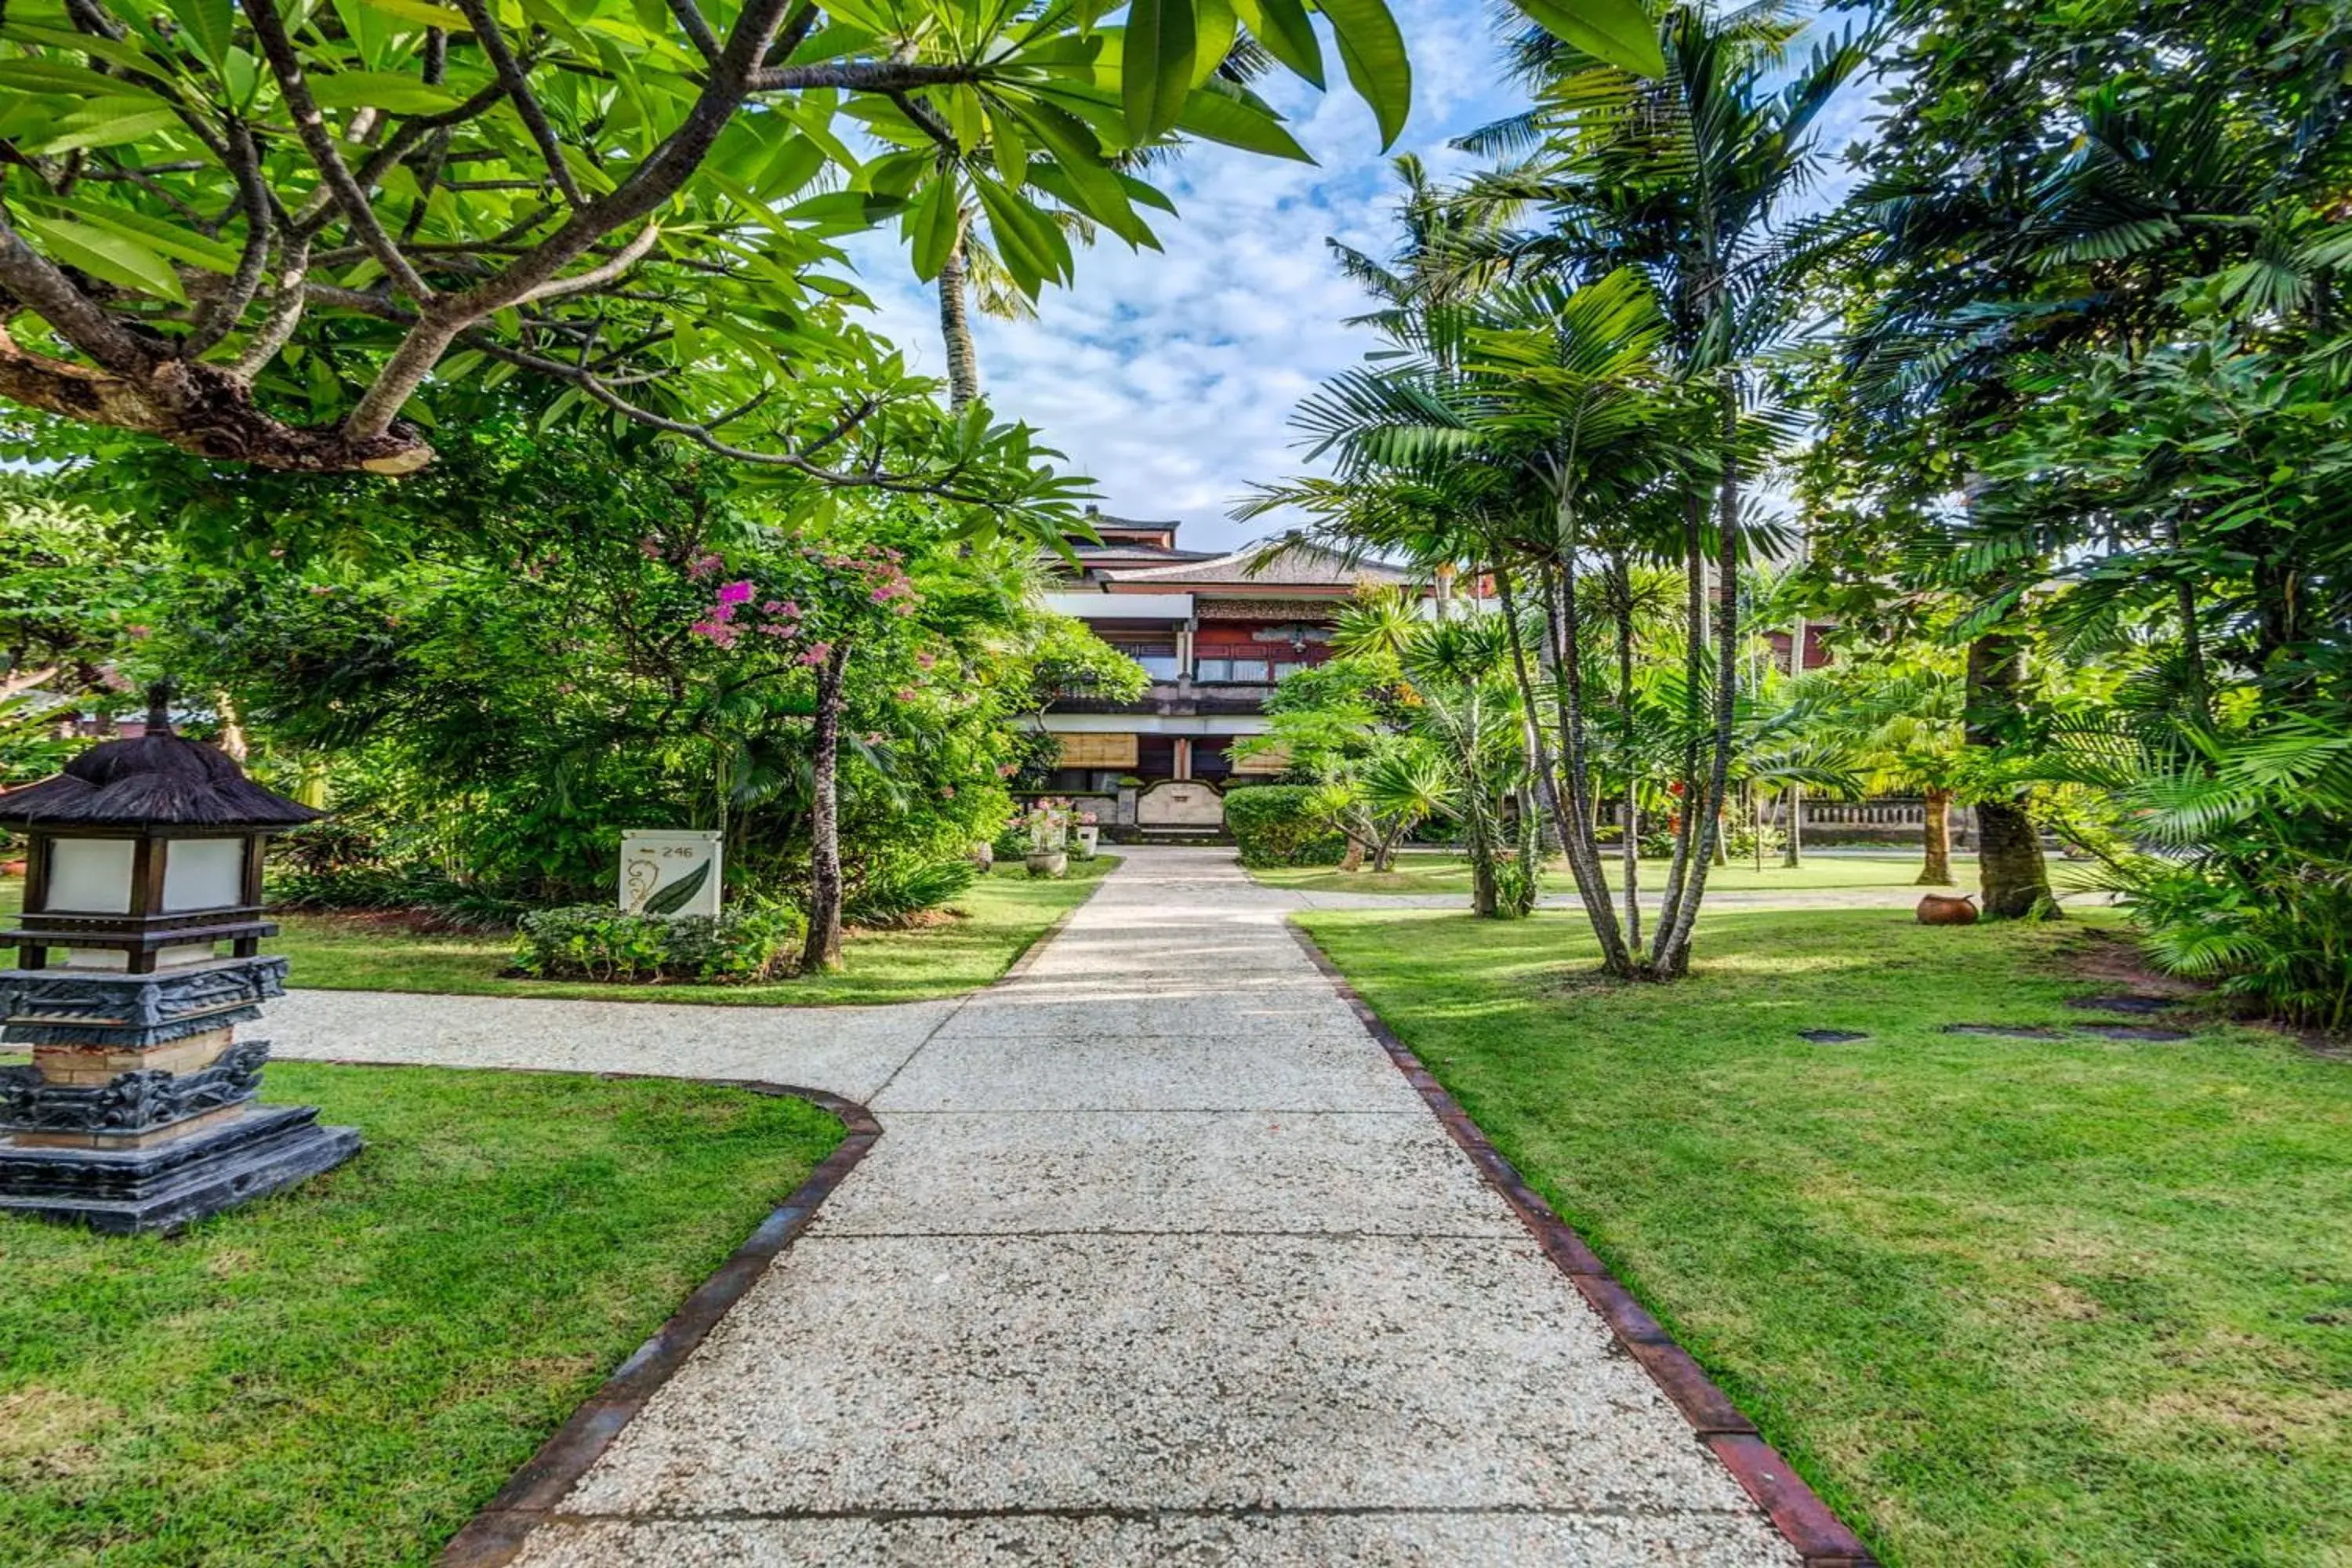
<point>1792,831</point>
<point>1572,815</point>
<point>1629,849</point>
<point>2014,883</point>
<point>232,728</point>
<point>823,950</point>
<point>1935,871</point>
<point>955,323</point>
<point>1353,860</point>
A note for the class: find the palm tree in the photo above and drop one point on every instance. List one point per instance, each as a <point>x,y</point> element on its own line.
<point>1683,177</point>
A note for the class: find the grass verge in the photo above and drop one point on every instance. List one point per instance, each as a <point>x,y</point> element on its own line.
<point>2015,1302</point>
<point>343,1373</point>
<point>999,918</point>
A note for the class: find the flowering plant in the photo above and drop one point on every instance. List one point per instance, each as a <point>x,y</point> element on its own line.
<point>1048,822</point>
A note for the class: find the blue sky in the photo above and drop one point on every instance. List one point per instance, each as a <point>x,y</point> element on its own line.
<point>1169,377</point>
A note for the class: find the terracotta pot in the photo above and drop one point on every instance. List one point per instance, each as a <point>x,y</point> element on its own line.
<point>1947,910</point>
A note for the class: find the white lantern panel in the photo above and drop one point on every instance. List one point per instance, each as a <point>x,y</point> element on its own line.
<point>89,876</point>
<point>202,874</point>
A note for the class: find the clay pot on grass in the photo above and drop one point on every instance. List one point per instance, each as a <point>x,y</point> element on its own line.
<point>1947,910</point>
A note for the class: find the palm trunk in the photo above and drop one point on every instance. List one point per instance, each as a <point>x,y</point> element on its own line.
<point>2015,883</point>
<point>1936,868</point>
<point>1571,817</point>
<point>1674,940</point>
<point>823,950</point>
<point>1694,682</point>
<point>1630,851</point>
<point>1569,805</point>
<point>1353,859</point>
<point>955,324</point>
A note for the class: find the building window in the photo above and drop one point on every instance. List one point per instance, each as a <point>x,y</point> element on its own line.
<point>1214,669</point>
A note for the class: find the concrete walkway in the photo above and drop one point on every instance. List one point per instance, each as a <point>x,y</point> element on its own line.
<point>1159,1259</point>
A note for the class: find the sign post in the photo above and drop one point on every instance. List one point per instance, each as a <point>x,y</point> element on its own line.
<point>669,872</point>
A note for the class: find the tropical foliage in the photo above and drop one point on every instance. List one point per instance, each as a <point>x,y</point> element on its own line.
<point>268,232</point>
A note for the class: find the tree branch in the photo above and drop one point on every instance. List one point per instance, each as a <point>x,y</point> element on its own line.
<point>311,125</point>
<point>689,17</point>
<point>220,315</point>
<point>596,277</point>
<point>876,76</point>
<point>509,73</point>
<point>42,288</point>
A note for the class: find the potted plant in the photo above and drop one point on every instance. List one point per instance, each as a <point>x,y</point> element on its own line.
<point>1089,834</point>
<point>1048,822</point>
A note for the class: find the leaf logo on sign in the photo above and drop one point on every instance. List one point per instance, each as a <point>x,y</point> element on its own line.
<point>681,893</point>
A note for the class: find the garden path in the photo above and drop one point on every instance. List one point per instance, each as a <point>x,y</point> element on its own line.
<point>1159,1258</point>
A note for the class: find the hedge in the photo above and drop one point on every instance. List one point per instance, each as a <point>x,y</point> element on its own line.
<point>1273,826</point>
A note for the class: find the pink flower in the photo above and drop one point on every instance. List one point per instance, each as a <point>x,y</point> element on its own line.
<point>946,792</point>
<point>817,653</point>
<point>774,630</point>
<point>735,593</point>
<point>904,694</point>
<point>140,631</point>
<point>772,607</point>
<point>717,631</point>
<point>925,660</point>
<point>702,567</point>
<point>790,610</point>
<point>650,548</point>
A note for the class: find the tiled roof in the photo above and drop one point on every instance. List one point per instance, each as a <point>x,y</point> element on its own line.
<point>1301,566</point>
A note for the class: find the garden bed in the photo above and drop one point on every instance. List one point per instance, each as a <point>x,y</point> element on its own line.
<point>2017,1297</point>
<point>996,920</point>
<point>347,1372</point>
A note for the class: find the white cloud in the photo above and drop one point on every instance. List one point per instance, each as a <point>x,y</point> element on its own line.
<point>1169,377</point>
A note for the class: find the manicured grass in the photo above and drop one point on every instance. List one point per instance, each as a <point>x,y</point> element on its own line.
<point>2010,1301</point>
<point>1440,871</point>
<point>1001,915</point>
<point>344,1372</point>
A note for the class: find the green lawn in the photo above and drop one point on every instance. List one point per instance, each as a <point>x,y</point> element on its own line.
<point>2012,1301</point>
<point>345,1373</point>
<point>1442,871</point>
<point>1003,914</point>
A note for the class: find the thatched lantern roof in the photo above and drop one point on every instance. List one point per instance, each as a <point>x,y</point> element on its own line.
<point>159,779</point>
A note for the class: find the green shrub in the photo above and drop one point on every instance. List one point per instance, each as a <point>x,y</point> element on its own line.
<point>1274,825</point>
<point>904,891</point>
<point>592,941</point>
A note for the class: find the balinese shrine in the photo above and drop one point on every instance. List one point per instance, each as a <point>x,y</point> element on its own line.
<point>140,1111</point>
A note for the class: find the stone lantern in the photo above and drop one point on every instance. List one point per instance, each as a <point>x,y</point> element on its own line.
<point>139,1110</point>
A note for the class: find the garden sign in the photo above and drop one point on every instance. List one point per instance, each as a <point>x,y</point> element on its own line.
<point>669,872</point>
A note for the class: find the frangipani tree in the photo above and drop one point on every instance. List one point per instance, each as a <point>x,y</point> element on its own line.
<point>262,232</point>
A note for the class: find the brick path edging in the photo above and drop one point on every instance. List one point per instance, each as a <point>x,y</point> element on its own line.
<point>493,1536</point>
<point>1807,1523</point>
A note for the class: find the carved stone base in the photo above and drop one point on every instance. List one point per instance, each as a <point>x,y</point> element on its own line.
<point>260,1150</point>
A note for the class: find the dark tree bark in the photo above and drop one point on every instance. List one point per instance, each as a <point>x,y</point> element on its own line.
<point>2014,881</point>
<point>823,950</point>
